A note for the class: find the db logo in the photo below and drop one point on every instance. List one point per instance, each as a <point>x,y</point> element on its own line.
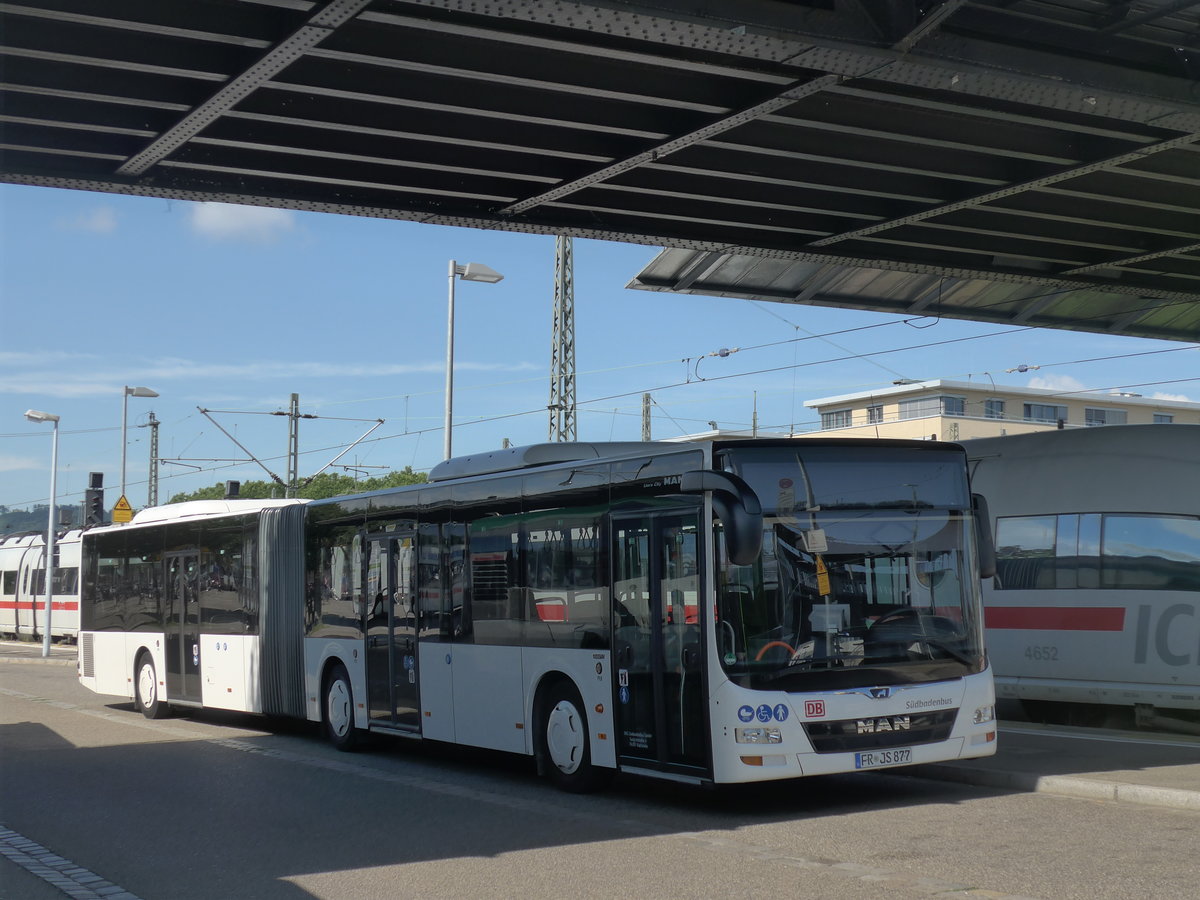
<point>814,708</point>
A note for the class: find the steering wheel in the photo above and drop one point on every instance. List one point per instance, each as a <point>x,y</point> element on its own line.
<point>904,612</point>
<point>767,646</point>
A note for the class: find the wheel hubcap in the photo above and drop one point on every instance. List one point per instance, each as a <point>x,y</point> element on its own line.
<point>564,737</point>
<point>339,707</point>
<point>146,685</point>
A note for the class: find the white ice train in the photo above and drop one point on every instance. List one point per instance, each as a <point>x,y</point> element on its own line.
<point>23,587</point>
<point>1096,599</point>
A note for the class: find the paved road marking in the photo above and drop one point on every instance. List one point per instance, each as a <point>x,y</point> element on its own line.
<point>72,880</point>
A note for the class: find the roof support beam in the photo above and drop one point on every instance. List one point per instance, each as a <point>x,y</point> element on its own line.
<point>324,22</point>
<point>1131,260</point>
<point>1009,190</point>
<point>1040,302</point>
<point>726,123</point>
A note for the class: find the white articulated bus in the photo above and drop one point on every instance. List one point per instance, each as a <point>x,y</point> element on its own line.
<point>1096,599</point>
<point>711,613</point>
<point>23,586</point>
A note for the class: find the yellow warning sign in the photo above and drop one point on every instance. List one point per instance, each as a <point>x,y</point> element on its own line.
<point>823,587</point>
<point>122,512</point>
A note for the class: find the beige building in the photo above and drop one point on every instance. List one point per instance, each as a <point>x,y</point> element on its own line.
<point>959,411</point>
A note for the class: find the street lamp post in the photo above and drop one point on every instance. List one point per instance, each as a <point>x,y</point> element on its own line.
<point>125,395</point>
<point>469,272</point>
<point>34,415</point>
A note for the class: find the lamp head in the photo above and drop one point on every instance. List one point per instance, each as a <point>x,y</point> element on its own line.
<point>140,392</point>
<point>36,415</point>
<point>478,272</point>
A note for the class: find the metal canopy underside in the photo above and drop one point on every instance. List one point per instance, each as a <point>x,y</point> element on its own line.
<point>1047,150</point>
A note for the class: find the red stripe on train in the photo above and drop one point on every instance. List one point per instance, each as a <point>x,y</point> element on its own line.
<point>1063,618</point>
<point>68,605</point>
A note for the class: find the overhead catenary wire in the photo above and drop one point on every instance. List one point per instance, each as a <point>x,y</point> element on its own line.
<point>671,385</point>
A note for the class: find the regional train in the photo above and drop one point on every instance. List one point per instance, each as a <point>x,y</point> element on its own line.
<point>23,587</point>
<point>1095,605</point>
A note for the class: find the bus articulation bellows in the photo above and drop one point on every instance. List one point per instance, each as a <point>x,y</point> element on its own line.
<point>711,613</point>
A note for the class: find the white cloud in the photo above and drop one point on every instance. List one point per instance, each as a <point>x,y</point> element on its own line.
<point>1064,383</point>
<point>61,382</point>
<point>100,220</point>
<point>1182,398</point>
<point>19,463</point>
<point>225,221</point>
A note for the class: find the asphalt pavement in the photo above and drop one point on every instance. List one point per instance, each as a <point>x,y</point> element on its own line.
<point>1147,768</point>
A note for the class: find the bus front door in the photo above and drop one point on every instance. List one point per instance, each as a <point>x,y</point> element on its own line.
<point>391,632</point>
<point>658,644</point>
<point>183,626</point>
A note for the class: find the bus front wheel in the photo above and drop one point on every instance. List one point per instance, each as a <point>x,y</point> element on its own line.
<point>564,741</point>
<point>339,709</point>
<point>146,689</point>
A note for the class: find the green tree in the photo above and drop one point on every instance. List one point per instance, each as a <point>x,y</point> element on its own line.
<point>326,484</point>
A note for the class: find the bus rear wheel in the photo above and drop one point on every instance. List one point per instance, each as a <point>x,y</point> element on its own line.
<point>564,742</point>
<point>338,716</point>
<point>145,687</point>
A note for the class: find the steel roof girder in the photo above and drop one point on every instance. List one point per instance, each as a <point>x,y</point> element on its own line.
<point>833,42</point>
<point>283,54</point>
<point>720,126</point>
<point>1010,190</point>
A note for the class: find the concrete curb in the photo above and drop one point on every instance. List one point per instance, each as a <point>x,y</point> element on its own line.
<point>39,660</point>
<point>1065,785</point>
<point>31,652</point>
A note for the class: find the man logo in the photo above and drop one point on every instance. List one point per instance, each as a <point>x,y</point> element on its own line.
<point>814,709</point>
<point>882,725</point>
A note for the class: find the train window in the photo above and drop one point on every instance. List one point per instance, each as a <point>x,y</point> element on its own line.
<point>1025,552</point>
<point>66,580</point>
<point>10,583</point>
<point>1151,553</point>
<point>1087,571</point>
<point>1110,551</point>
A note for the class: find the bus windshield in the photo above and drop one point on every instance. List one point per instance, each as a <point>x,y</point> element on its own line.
<point>843,590</point>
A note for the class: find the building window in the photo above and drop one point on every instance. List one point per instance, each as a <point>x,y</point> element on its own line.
<point>1164,418</point>
<point>874,415</point>
<point>1044,412</point>
<point>924,407</point>
<point>993,409</point>
<point>837,419</point>
<point>1104,417</point>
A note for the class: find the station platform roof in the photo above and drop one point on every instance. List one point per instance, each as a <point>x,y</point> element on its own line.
<point>1030,160</point>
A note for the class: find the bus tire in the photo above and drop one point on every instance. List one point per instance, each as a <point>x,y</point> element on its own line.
<point>145,689</point>
<point>338,709</point>
<point>564,741</point>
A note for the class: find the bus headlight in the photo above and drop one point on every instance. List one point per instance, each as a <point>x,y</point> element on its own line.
<point>985,714</point>
<point>758,736</point>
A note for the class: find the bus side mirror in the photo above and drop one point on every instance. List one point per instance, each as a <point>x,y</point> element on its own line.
<point>736,505</point>
<point>983,536</point>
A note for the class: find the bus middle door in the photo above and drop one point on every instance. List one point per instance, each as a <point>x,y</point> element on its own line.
<point>657,643</point>
<point>183,626</point>
<point>391,632</point>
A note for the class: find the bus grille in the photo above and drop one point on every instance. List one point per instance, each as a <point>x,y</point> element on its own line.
<point>880,732</point>
<point>87,655</point>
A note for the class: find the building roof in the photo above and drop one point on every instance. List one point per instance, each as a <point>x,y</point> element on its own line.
<point>945,385</point>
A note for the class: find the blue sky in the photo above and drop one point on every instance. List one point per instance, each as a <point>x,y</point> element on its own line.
<point>236,308</point>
